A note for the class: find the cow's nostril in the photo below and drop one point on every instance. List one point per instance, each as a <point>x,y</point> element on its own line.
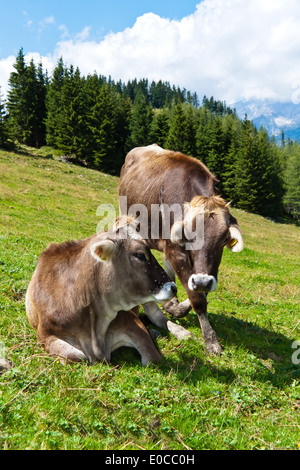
<point>174,288</point>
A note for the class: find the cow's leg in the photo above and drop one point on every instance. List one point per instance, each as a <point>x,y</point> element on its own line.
<point>197,300</point>
<point>61,349</point>
<point>178,310</point>
<point>199,304</point>
<point>128,330</point>
<point>157,317</point>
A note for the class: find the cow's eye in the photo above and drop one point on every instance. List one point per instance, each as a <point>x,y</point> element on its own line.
<point>140,256</point>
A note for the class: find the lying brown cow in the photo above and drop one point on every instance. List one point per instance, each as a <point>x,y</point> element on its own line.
<point>81,294</point>
<point>155,177</point>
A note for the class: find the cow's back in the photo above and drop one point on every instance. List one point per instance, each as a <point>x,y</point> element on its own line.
<point>151,175</point>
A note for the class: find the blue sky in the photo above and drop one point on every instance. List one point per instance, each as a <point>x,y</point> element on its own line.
<point>37,25</point>
<point>231,49</point>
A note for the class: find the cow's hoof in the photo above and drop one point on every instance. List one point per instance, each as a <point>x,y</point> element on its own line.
<point>178,310</point>
<point>214,349</point>
<point>178,331</point>
<point>5,364</point>
<point>154,334</point>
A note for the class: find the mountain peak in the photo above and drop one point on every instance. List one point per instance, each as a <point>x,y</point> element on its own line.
<point>273,115</point>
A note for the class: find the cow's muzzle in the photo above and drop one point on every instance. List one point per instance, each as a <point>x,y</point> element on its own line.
<point>166,292</point>
<point>202,283</point>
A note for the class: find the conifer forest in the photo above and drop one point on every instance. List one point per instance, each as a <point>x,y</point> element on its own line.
<point>96,121</point>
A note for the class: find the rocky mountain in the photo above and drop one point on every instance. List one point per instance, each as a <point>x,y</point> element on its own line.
<point>274,116</point>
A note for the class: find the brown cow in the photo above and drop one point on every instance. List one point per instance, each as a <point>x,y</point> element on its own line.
<point>81,294</point>
<point>162,178</point>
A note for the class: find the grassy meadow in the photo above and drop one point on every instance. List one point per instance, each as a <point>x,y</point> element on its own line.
<point>249,398</point>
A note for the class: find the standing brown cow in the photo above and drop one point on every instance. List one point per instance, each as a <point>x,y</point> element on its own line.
<point>162,178</point>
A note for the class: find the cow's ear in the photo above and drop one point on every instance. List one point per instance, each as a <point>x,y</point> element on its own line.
<point>235,242</point>
<point>103,250</point>
<point>177,233</point>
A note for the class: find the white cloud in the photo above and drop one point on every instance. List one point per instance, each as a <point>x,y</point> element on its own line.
<point>6,67</point>
<point>281,121</point>
<point>84,34</point>
<point>46,21</point>
<point>231,49</point>
<point>64,31</point>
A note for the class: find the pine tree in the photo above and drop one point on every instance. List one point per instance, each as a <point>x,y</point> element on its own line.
<point>4,134</point>
<point>177,133</point>
<point>158,93</point>
<point>215,157</point>
<point>202,135</point>
<point>140,123</point>
<point>258,177</point>
<point>54,105</point>
<point>247,170</point>
<point>106,122</point>
<point>195,100</point>
<point>32,100</point>
<point>16,104</point>
<point>291,197</point>
<point>121,129</point>
<point>36,90</point>
<point>189,146</point>
<point>270,188</point>
<point>230,175</point>
<point>26,101</point>
<point>41,112</point>
<point>160,128</point>
<point>69,131</point>
<point>104,130</point>
<point>91,91</point>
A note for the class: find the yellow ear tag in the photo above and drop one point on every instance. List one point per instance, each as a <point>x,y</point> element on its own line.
<point>233,243</point>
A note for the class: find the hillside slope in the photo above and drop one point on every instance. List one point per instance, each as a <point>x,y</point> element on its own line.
<point>246,399</point>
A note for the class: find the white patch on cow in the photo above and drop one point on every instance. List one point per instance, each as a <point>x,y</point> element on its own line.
<point>236,243</point>
<point>202,278</point>
<point>167,291</point>
<point>177,235</point>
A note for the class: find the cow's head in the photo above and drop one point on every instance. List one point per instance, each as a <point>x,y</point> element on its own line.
<point>137,276</point>
<point>209,221</point>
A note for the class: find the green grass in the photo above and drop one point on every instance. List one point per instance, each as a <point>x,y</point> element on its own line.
<point>249,398</point>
